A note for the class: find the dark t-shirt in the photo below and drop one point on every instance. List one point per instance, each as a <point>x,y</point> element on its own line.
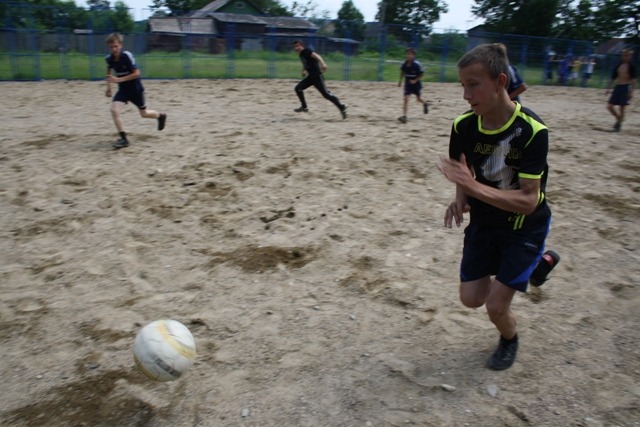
<point>309,63</point>
<point>411,70</point>
<point>124,66</point>
<point>499,158</point>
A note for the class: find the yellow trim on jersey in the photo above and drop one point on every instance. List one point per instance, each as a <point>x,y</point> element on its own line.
<point>530,176</point>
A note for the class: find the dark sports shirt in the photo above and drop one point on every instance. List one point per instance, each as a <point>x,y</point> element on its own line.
<point>499,158</point>
<point>310,63</point>
<point>411,70</point>
<point>515,81</point>
<point>124,66</point>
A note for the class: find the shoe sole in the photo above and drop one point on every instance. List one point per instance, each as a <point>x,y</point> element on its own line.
<point>555,258</point>
<point>162,121</point>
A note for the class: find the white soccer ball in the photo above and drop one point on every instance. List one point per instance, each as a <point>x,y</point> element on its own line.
<point>164,350</point>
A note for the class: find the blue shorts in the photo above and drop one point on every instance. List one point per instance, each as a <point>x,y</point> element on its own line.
<point>620,95</point>
<point>136,98</point>
<point>410,89</point>
<point>509,255</point>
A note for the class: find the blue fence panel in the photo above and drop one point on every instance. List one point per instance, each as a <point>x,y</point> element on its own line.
<point>27,53</point>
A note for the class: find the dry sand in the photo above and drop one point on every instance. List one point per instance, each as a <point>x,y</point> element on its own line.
<point>308,257</point>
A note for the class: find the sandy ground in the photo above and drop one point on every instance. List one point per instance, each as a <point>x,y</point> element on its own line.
<point>308,257</point>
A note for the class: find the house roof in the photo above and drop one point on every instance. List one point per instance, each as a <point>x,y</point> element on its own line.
<point>237,18</point>
<point>215,6</point>
<point>182,25</point>
<point>280,22</point>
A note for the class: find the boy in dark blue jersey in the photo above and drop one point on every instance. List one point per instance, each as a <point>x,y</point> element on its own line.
<point>122,69</point>
<point>516,84</point>
<point>411,72</point>
<point>312,68</point>
<point>498,161</point>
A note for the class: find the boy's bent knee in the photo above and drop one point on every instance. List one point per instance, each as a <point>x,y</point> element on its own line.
<point>471,301</point>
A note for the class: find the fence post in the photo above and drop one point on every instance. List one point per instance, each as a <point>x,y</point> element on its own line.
<point>383,49</point>
<point>63,55</point>
<point>346,69</point>
<point>230,39</point>
<point>271,40</point>
<point>35,58</point>
<point>443,60</point>
<point>186,57</point>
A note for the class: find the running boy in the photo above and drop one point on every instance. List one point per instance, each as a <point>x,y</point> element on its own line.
<point>312,68</point>
<point>411,71</point>
<point>122,69</point>
<point>624,77</point>
<point>498,161</point>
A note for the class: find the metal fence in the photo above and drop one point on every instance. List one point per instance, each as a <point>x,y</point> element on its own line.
<point>31,54</point>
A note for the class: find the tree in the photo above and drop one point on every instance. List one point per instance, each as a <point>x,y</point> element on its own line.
<point>272,7</point>
<point>308,10</point>
<point>179,7</point>
<point>595,20</point>
<point>410,17</point>
<point>121,18</point>
<point>526,17</point>
<point>350,23</point>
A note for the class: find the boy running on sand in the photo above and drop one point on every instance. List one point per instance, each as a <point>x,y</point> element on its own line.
<point>411,71</point>
<point>122,69</point>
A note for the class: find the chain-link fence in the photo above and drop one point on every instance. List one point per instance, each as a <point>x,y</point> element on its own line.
<point>28,53</point>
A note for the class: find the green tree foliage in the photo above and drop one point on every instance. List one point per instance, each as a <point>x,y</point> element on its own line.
<point>526,17</point>
<point>65,15</point>
<point>178,7</point>
<point>411,17</point>
<point>350,23</point>
<point>308,9</point>
<point>121,18</point>
<point>272,7</point>
<point>596,20</point>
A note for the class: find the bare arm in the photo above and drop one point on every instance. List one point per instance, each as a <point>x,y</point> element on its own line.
<point>318,58</point>
<point>108,92</point>
<point>518,91</point>
<point>523,200</point>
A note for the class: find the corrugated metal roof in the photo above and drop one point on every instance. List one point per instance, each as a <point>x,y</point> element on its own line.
<point>238,18</point>
<point>289,22</point>
<point>182,25</point>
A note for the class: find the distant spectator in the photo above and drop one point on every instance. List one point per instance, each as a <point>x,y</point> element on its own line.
<point>588,68</point>
<point>563,70</point>
<point>574,70</point>
<point>548,68</point>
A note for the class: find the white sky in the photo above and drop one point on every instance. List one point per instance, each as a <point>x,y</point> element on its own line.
<point>458,18</point>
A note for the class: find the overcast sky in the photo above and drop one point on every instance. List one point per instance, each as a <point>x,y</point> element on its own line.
<point>458,18</point>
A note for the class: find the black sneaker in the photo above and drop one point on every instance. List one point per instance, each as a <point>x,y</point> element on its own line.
<point>547,263</point>
<point>617,126</point>
<point>161,121</point>
<point>505,354</point>
<point>402,119</point>
<point>343,111</point>
<point>121,143</point>
<point>426,108</point>
<point>301,110</point>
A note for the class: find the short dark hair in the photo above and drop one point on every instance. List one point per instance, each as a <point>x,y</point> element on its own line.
<point>492,56</point>
<point>410,50</point>
<point>295,42</point>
